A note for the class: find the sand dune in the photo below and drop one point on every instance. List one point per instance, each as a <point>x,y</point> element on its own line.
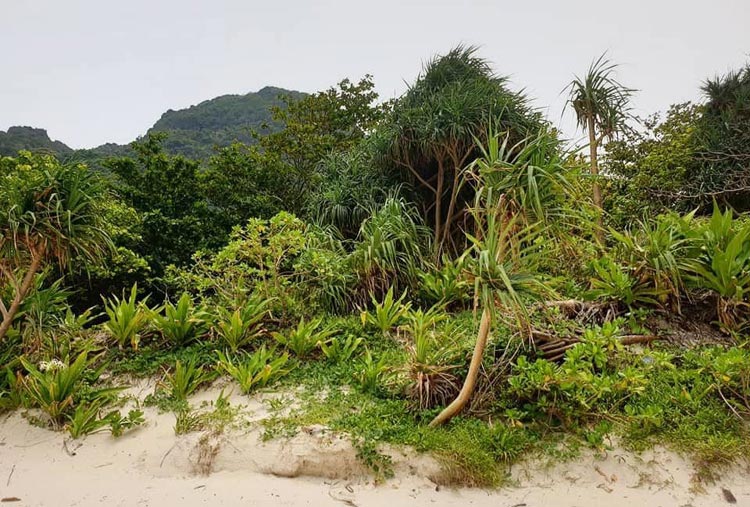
<point>150,466</point>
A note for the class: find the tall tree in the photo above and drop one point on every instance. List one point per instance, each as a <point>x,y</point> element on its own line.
<point>437,124</point>
<point>49,215</point>
<point>602,108</point>
<point>169,194</point>
<point>239,185</point>
<point>314,127</point>
<point>652,165</point>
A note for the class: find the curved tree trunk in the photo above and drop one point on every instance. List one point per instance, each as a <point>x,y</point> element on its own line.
<point>21,291</point>
<point>471,378</point>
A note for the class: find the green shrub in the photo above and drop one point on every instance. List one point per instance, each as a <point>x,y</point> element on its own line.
<point>258,259</point>
<point>613,283</point>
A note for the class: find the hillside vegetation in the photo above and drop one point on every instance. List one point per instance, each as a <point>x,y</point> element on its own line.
<point>441,271</point>
<point>194,132</point>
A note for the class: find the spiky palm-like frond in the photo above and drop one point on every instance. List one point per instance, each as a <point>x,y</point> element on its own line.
<point>599,100</point>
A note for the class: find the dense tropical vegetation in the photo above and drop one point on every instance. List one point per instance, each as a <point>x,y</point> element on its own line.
<point>482,286</point>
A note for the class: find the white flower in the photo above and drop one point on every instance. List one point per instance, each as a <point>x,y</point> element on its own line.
<point>54,364</point>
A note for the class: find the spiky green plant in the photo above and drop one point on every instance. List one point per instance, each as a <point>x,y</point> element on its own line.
<point>386,314</point>
<point>245,324</point>
<point>658,252</point>
<point>127,317</point>
<point>390,247</point>
<point>41,311</point>
<point>445,285</point>
<point>722,265</point>
<point>183,323</point>
<point>613,283</point>
<point>56,387</point>
<point>602,108</point>
<point>86,419</point>
<point>186,378</point>
<point>305,338</point>
<point>531,173</point>
<point>340,349</point>
<point>371,374</point>
<point>255,370</point>
<point>433,358</point>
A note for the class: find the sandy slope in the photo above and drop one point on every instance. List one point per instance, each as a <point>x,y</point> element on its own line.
<point>152,466</point>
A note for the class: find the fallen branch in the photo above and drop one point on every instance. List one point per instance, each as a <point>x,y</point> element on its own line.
<point>554,349</point>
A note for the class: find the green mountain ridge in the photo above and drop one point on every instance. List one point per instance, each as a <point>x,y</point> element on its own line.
<point>30,138</point>
<point>194,131</point>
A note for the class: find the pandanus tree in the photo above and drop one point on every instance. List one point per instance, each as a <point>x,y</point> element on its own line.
<point>721,167</point>
<point>518,188</point>
<point>436,127</point>
<point>602,108</point>
<point>48,215</point>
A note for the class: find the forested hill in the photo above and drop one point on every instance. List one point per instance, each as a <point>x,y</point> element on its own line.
<point>33,139</point>
<point>218,122</point>
<point>193,131</point>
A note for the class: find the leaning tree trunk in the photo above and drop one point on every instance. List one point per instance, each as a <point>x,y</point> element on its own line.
<point>593,155</point>
<point>21,291</point>
<point>471,378</point>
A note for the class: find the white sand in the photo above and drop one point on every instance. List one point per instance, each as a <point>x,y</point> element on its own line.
<point>151,466</point>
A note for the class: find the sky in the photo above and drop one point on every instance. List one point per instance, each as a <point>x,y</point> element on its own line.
<point>96,71</point>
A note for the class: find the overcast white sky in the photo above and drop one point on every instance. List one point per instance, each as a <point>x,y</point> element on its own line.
<point>94,71</point>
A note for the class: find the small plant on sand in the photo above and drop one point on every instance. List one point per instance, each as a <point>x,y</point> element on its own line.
<point>186,378</point>
<point>57,388</point>
<point>188,421</point>
<point>88,419</point>
<point>254,370</point>
<point>119,424</point>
